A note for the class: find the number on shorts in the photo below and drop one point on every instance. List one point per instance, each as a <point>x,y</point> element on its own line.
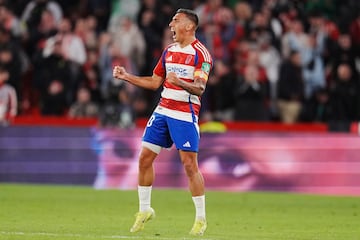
<point>151,120</point>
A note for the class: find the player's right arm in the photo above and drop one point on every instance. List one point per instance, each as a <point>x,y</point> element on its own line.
<point>150,82</point>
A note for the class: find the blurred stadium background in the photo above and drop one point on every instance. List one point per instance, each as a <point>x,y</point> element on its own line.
<point>274,60</point>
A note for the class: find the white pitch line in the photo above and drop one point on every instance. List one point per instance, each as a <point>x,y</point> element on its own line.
<point>56,235</point>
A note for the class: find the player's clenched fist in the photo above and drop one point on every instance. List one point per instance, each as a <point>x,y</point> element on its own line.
<point>172,78</point>
<point>119,72</point>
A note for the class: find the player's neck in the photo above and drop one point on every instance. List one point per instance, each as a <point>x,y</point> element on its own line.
<point>187,41</point>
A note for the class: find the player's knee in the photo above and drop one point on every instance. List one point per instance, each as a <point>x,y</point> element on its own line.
<point>144,163</point>
<point>190,167</point>
<point>146,159</point>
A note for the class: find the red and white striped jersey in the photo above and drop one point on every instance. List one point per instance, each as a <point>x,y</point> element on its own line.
<point>190,62</point>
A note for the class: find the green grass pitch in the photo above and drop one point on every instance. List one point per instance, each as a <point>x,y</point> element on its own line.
<point>39,212</point>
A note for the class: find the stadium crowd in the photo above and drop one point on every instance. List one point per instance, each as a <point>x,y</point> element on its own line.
<point>274,60</point>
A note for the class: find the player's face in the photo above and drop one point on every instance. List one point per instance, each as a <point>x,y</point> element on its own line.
<point>178,26</point>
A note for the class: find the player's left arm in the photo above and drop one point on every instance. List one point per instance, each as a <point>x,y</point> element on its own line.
<point>197,87</point>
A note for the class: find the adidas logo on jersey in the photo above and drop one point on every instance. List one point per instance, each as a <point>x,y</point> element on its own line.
<point>187,144</point>
<point>169,59</point>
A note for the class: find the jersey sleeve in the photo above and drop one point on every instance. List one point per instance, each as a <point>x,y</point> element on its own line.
<point>160,69</point>
<point>204,65</point>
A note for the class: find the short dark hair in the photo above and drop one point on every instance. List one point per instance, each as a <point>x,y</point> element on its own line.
<point>191,15</point>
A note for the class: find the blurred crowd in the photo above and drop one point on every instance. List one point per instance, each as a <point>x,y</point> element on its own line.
<point>274,60</point>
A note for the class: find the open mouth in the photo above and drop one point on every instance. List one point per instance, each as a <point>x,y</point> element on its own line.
<point>174,34</point>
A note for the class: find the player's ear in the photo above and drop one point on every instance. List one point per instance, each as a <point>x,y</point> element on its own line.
<point>189,26</point>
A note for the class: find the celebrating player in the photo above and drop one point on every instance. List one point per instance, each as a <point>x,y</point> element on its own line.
<point>183,70</point>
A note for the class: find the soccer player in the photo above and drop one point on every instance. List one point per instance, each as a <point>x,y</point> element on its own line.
<point>183,71</point>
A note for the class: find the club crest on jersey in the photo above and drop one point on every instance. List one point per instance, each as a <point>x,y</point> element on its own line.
<point>188,59</point>
<point>206,67</point>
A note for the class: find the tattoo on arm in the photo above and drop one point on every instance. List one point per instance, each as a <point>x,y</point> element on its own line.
<point>196,88</point>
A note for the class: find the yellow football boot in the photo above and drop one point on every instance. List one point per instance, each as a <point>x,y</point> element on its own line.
<point>199,227</point>
<point>141,219</point>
